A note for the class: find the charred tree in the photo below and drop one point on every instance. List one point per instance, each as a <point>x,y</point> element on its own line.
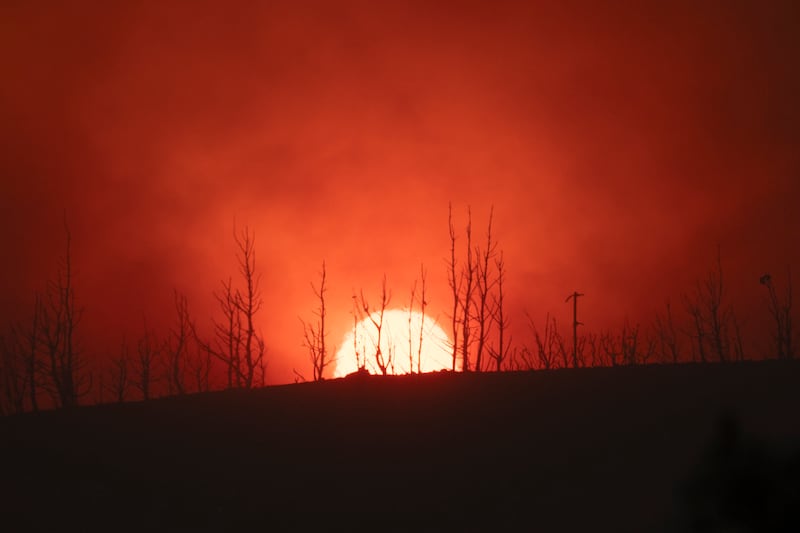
<point>485,284</point>
<point>781,310</point>
<point>383,361</point>
<point>68,378</point>
<point>314,334</point>
<point>454,281</point>
<point>500,354</point>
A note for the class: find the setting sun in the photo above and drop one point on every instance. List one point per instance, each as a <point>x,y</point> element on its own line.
<point>398,354</point>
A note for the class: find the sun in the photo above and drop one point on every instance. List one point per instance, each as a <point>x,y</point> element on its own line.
<point>436,353</point>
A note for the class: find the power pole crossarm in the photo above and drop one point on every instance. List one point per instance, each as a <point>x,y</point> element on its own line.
<point>574,297</point>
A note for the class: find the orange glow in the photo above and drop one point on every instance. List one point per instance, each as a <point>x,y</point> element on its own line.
<point>436,353</point>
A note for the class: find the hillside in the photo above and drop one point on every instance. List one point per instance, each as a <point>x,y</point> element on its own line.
<point>603,449</point>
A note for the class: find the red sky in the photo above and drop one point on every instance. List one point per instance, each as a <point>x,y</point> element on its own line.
<point>619,146</point>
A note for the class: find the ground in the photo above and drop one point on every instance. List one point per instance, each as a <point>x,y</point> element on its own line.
<point>605,449</point>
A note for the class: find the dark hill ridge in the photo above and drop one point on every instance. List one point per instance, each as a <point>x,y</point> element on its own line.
<point>571,450</point>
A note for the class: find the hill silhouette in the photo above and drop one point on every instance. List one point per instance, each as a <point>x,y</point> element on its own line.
<point>651,448</point>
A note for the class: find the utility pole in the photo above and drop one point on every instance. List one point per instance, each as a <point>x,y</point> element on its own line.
<point>574,296</point>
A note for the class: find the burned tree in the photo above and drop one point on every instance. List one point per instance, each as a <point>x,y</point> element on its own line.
<point>12,374</point>
<point>501,320</point>
<point>314,334</point>
<point>31,361</point>
<point>249,303</point>
<point>667,335</point>
<point>67,377</point>
<point>484,285</point>
<point>711,318</point>
<point>19,363</point>
<point>361,357</point>
<point>236,342</point>
<point>382,361</point>
<point>147,352</point>
<point>410,327</point>
<point>454,281</point>
<point>629,343</point>
<point>468,277</point>
<point>549,346</point>
<point>462,286</point>
<point>120,378</point>
<point>781,311</point>
<point>423,304</point>
<point>229,333</point>
<point>200,366</point>
<point>178,346</point>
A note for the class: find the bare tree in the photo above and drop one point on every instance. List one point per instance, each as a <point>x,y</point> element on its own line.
<point>549,345</point>
<point>718,316</point>
<point>611,348</point>
<point>667,335</point>
<point>629,343</point>
<point>12,374</point>
<point>781,311</point>
<point>236,342</point>
<point>410,328</point>
<point>32,361</point>
<point>711,318</point>
<point>361,357</point>
<point>579,352</point>
<point>648,347</point>
<point>178,346</point>
<point>468,277</point>
<point>454,280</point>
<point>698,333</point>
<point>738,344</point>
<point>383,361</point>
<point>314,334</point>
<point>229,334</point>
<point>423,304</point>
<point>201,365</point>
<point>500,354</point>
<point>59,319</point>
<point>484,284</point>
<point>249,303</point>
<point>19,363</point>
<point>120,379</point>
<point>148,351</point>
<point>592,342</point>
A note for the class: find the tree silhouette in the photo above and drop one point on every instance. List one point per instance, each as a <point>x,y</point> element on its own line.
<point>502,352</point>
<point>314,334</point>
<point>781,311</point>
<point>667,335</point>
<point>711,318</point>
<point>549,346</point>
<point>148,351</point>
<point>423,303</point>
<point>12,375</point>
<point>454,281</point>
<point>249,303</point>
<point>468,278</point>
<point>410,327</point>
<point>178,346</point>
<point>120,373</point>
<point>382,361</point>
<point>236,342</point>
<point>485,284</point>
<point>68,379</point>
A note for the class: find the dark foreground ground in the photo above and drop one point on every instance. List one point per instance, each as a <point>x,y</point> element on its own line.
<point>627,449</point>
